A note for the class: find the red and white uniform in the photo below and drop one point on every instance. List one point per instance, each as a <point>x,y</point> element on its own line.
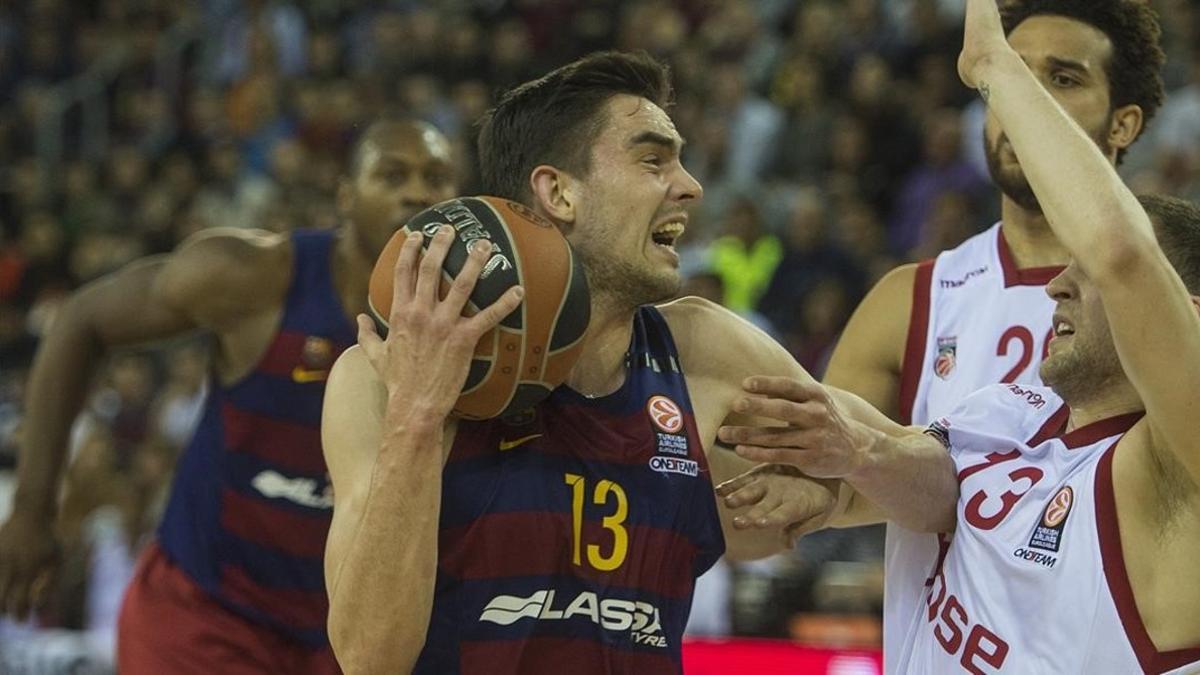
<point>976,320</point>
<point>1034,580</point>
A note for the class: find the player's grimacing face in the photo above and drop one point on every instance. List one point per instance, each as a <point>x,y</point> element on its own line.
<point>1081,357</point>
<point>633,203</point>
<point>403,171</point>
<point>1068,57</point>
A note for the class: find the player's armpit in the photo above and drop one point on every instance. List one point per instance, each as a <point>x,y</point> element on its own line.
<point>1159,346</point>
<point>870,353</point>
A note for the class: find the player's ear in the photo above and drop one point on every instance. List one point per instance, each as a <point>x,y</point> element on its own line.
<point>1127,122</point>
<point>553,193</point>
<point>1196,303</point>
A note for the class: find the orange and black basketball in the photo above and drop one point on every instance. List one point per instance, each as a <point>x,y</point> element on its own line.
<point>531,352</point>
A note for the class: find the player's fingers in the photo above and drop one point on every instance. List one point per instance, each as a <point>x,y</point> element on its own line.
<point>489,317</point>
<point>460,289</point>
<point>404,273</point>
<point>738,482</point>
<point>429,272</point>
<point>771,437</point>
<point>794,456</point>
<point>39,590</point>
<point>368,339</point>
<point>784,387</point>
<point>746,496</point>
<point>756,516</point>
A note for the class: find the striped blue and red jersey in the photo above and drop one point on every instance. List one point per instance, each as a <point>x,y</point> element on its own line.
<point>571,535</point>
<point>251,504</point>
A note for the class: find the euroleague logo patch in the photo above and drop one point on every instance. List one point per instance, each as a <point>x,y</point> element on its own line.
<point>665,414</point>
<point>1047,535</point>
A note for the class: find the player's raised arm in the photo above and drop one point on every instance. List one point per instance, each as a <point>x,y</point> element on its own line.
<point>1152,315</point>
<point>212,280</point>
<point>383,435</point>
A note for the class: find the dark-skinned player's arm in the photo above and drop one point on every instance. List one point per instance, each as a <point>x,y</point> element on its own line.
<point>212,280</point>
<point>1153,318</point>
<point>384,434</point>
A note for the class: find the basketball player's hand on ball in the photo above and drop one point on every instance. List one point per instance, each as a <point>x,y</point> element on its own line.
<point>427,353</point>
<point>778,496</point>
<point>817,436</point>
<point>29,556</point>
<point>983,39</point>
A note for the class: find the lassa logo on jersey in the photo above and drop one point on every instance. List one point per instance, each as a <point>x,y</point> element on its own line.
<point>665,414</point>
<point>641,619</point>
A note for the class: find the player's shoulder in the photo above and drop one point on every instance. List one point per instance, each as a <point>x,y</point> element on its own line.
<point>978,247</point>
<point>236,246</point>
<point>1013,411</point>
<point>251,266</point>
<point>705,333</point>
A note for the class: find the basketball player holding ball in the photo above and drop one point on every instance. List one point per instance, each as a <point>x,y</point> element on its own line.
<point>567,538</point>
<point>233,582</point>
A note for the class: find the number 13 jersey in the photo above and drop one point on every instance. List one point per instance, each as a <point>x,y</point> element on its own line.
<point>571,535</point>
<point>1035,580</point>
<point>976,320</point>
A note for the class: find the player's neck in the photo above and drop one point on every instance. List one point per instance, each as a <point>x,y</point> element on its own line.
<point>1120,398</point>
<point>351,272</point>
<point>601,369</point>
<point>1030,238</point>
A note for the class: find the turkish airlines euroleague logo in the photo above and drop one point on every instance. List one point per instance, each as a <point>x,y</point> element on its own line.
<point>1059,507</point>
<point>1048,533</point>
<point>665,414</point>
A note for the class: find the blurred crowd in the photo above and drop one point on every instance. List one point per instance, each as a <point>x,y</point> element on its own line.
<point>832,136</point>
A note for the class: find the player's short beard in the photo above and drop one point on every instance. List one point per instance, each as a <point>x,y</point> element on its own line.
<point>622,283</point>
<point>1089,369</point>
<point>1012,181</point>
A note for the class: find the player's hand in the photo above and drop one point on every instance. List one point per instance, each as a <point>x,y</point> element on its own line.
<point>983,39</point>
<point>818,438</point>
<point>780,497</point>
<point>427,354</point>
<point>29,557</point>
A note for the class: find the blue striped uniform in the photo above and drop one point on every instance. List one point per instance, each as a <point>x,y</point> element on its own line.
<point>251,503</point>
<point>571,536</point>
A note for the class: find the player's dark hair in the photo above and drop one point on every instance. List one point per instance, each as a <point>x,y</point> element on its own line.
<point>555,119</point>
<point>1135,69</point>
<point>1177,227</point>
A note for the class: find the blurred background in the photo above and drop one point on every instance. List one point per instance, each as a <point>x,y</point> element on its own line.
<point>833,139</point>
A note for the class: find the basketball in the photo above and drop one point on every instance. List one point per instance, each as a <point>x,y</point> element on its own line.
<point>519,362</point>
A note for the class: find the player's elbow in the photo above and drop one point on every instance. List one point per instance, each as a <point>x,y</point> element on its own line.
<point>366,648</point>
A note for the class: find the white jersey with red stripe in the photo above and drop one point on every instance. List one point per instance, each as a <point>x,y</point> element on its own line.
<point>976,320</point>
<point>1034,580</point>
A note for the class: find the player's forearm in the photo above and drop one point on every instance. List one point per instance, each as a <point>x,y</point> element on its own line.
<point>381,600</point>
<point>911,479</point>
<point>1089,208</point>
<point>58,384</point>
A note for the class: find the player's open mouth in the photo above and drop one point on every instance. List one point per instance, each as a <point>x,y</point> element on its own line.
<point>1062,327</point>
<point>666,234</point>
